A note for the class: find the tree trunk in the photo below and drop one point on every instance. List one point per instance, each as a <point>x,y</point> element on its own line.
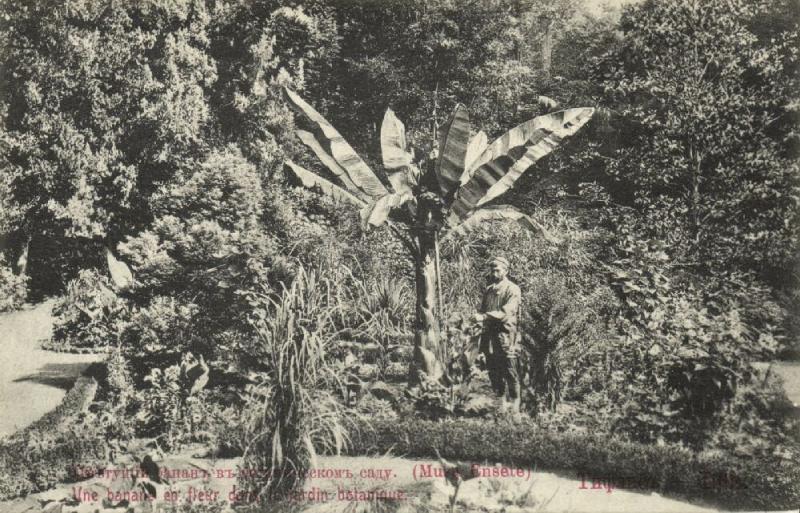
<point>426,330</point>
<point>4,238</point>
<point>22,262</point>
<point>547,47</point>
<point>14,247</point>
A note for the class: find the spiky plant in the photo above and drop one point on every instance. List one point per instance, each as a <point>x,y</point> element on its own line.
<point>382,307</point>
<point>423,204</point>
<point>293,408</point>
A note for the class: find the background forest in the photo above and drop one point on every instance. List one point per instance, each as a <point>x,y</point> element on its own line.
<point>158,129</point>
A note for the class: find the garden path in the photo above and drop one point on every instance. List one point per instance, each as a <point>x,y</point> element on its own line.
<point>32,381</point>
<point>541,492</point>
<point>789,371</point>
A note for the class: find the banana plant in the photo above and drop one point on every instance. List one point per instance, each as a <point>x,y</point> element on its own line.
<point>428,200</point>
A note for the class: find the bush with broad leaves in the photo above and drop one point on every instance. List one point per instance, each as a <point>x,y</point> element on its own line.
<point>679,358</point>
<point>87,316</point>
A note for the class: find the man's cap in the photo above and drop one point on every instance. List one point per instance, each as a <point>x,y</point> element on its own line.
<point>500,262</point>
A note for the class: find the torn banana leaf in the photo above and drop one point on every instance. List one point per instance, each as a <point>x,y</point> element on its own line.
<point>334,144</point>
<point>377,213</point>
<point>477,145</point>
<point>309,140</point>
<point>393,142</point>
<point>499,212</point>
<point>452,151</point>
<point>312,181</point>
<point>504,161</point>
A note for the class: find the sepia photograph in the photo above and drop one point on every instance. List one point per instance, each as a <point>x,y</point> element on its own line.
<point>399,256</point>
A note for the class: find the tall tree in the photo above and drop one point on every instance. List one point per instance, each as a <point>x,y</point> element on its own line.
<point>102,103</point>
<point>421,58</point>
<point>702,96</point>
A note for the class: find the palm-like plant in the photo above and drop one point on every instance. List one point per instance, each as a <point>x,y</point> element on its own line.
<point>426,203</point>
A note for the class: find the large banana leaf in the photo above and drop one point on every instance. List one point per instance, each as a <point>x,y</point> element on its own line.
<point>504,161</point>
<point>477,145</point>
<point>498,212</point>
<point>453,150</point>
<point>312,181</point>
<point>333,142</point>
<point>396,155</point>
<point>393,142</point>
<point>309,140</point>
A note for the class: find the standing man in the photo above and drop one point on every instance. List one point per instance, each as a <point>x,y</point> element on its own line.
<point>498,315</point>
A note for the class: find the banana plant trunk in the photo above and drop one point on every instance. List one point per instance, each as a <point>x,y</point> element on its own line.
<point>427,347</point>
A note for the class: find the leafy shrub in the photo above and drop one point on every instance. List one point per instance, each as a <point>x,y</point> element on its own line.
<point>227,433</point>
<point>465,392</point>
<point>760,422</point>
<point>433,400</point>
<point>157,335</point>
<point>160,405</point>
<point>13,288</point>
<point>379,315</point>
<point>372,407</point>
<point>14,483</point>
<point>54,260</point>
<point>85,317</point>
<point>174,406</point>
<point>680,358</point>
<point>118,398</point>
<point>194,265</point>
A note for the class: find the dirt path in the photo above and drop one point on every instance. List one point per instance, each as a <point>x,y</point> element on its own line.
<point>790,373</point>
<point>399,483</point>
<point>32,381</point>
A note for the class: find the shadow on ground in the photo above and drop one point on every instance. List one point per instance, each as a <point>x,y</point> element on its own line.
<point>58,375</point>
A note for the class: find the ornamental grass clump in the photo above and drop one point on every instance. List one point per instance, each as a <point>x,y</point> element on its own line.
<point>293,406</point>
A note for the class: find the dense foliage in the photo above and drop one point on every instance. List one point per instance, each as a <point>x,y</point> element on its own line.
<point>710,171</point>
<point>156,129</point>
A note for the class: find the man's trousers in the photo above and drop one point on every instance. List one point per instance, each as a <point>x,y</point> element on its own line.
<point>503,374</point>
